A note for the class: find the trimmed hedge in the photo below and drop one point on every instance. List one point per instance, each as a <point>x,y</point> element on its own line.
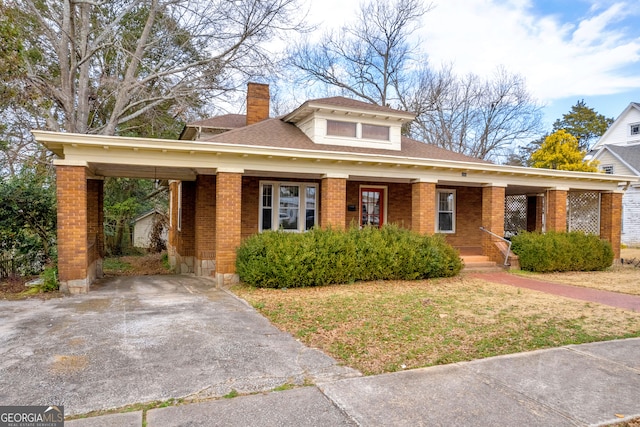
<point>554,251</point>
<point>277,259</point>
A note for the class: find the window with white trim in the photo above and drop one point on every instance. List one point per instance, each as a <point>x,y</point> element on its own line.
<point>608,169</point>
<point>358,130</point>
<point>288,206</point>
<point>446,211</point>
<point>634,129</point>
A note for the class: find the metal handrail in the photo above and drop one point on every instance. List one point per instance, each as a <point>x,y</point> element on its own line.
<point>506,258</point>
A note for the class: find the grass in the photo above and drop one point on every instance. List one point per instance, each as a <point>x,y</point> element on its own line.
<point>381,327</point>
<point>620,278</point>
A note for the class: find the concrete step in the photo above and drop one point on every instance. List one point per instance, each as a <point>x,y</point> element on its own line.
<point>479,263</point>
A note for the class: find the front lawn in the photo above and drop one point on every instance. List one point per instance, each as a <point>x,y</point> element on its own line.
<point>379,327</point>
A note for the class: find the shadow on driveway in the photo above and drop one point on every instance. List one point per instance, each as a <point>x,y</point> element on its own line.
<point>140,339</point>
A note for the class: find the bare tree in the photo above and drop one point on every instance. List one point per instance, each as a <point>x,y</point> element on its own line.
<point>99,65</point>
<point>480,118</point>
<point>367,58</point>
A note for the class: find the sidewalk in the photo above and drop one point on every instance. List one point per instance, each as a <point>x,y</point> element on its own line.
<point>576,385</point>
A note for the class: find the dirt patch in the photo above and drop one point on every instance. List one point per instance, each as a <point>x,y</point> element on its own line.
<point>13,288</point>
<point>68,364</point>
<point>136,265</point>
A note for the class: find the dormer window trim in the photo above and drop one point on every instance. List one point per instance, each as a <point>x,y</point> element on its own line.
<point>634,129</point>
<point>362,131</point>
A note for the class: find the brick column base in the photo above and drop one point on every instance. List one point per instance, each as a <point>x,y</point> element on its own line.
<point>556,211</point>
<point>333,203</point>
<point>611,221</point>
<point>493,220</point>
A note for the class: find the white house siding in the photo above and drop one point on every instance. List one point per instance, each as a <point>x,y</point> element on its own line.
<point>631,213</point>
<point>619,168</point>
<point>619,132</point>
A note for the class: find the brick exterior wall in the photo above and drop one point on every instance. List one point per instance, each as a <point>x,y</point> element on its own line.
<point>493,220</point>
<point>611,221</point>
<point>556,210</point>
<point>398,202</point>
<point>80,228</point>
<point>71,188</point>
<point>250,205</point>
<point>228,220</point>
<point>257,103</point>
<point>333,205</point>
<point>205,225</point>
<point>95,226</point>
<point>423,207</point>
<point>468,217</point>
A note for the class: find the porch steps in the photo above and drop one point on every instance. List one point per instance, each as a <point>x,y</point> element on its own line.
<point>479,263</point>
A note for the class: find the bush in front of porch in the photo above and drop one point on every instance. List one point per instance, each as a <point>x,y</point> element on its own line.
<point>561,251</point>
<point>277,259</point>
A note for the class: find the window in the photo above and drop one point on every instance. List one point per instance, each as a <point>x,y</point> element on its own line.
<point>375,132</point>
<point>608,169</point>
<point>634,129</point>
<point>446,205</point>
<point>288,206</point>
<point>336,128</point>
<point>372,205</point>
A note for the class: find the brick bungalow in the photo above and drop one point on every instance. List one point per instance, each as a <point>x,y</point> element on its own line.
<point>331,162</point>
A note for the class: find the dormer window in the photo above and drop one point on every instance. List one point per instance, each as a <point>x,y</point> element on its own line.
<point>357,130</point>
<point>635,129</point>
<point>344,129</point>
<point>375,132</point>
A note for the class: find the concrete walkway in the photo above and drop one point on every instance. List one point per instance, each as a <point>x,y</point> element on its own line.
<point>613,299</point>
<point>137,340</point>
<point>577,385</point>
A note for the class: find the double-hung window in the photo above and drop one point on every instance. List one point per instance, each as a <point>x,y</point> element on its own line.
<point>446,213</point>
<point>288,206</point>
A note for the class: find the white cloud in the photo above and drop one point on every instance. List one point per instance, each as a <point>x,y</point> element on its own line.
<point>558,59</point>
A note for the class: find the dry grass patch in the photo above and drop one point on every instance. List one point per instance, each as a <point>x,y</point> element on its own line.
<point>380,327</point>
<point>136,265</point>
<point>620,278</point>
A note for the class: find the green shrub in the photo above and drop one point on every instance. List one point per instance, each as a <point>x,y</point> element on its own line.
<point>277,259</point>
<point>49,280</point>
<point>554,251</point>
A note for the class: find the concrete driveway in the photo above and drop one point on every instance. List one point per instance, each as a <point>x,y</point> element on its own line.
<point>140,339</point>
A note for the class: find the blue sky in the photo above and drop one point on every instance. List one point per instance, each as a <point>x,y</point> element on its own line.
<point>567,50</point>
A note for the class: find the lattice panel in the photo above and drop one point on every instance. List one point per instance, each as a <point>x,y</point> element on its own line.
<point>583,212</point>
<point>515,214</point>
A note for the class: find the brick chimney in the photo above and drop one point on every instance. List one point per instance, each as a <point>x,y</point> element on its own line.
<point>257,102</point>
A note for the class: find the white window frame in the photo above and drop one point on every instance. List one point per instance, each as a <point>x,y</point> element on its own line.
<point>358,134</point>
<point>632,131</point>
<point>275,204</point>
<point>607,168</point>
<point>453,211</point>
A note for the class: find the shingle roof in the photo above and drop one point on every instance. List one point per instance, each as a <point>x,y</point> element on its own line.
<point>630,154</point>
<point>277,133</point>
<point>341,101</point>
<point>227,121</point>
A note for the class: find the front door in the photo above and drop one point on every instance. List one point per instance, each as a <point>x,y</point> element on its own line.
<point>372,206</point>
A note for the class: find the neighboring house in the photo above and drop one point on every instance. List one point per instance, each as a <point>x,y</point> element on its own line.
<point>618,152</point>
<point>143,227</point>
<point>332,162</point>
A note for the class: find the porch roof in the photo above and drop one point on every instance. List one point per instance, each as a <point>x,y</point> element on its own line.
<point>184,160</point>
